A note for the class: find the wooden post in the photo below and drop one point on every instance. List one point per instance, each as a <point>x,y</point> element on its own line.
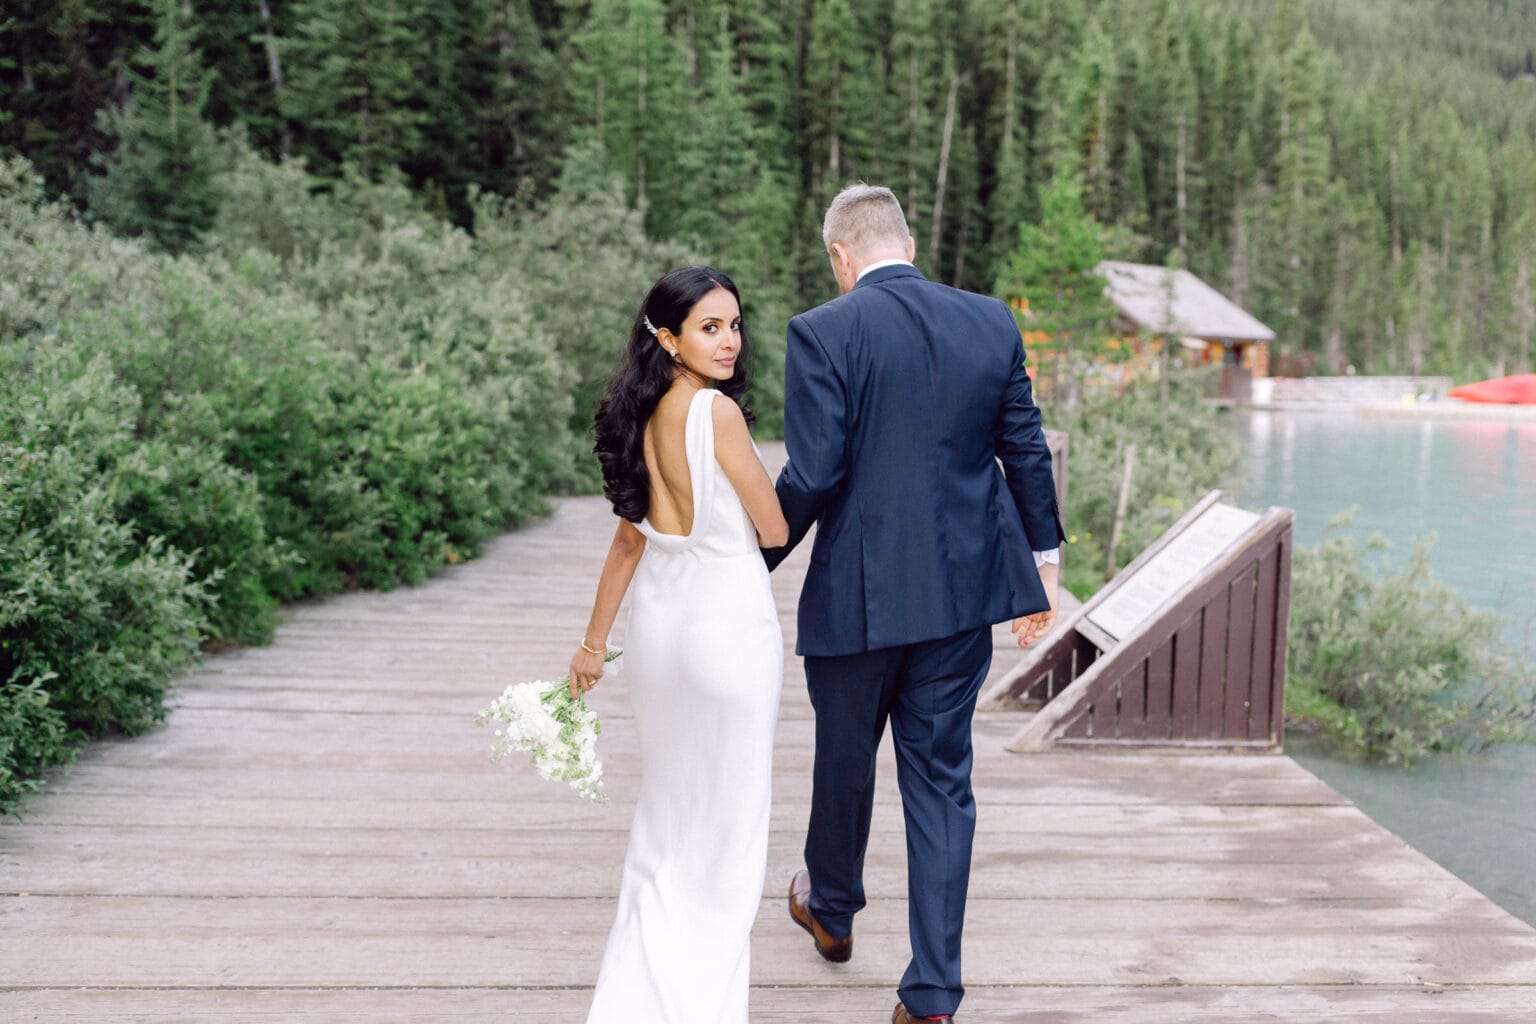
<point>1120,508</point>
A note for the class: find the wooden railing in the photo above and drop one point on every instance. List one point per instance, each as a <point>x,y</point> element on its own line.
<point>1056,440</point>
<point>1205,668</point>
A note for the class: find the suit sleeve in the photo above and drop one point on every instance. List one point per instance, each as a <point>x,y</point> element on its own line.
<point>1021,447</point>
<point>815,435</point>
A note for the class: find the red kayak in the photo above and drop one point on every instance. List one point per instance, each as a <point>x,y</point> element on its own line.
<point>1517,390</point>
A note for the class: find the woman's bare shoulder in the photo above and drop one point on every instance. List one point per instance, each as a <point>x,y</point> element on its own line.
<point>727,414</point>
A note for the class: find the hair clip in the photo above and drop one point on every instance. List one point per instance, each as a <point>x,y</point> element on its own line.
<point>648,325</point>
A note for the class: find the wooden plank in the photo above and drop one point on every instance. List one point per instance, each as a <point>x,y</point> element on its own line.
<point>1186,678</point>
<point>493,784</point>
<point>1240,656</point>
<point>1282,627</point>
<point>1262,692</point>
<point>1131,723</point>
<point>1103,824</point>
<point>1159,714</point>
<point>1213,666</point>
<point>1173,1002</point>
<point>1210,862</point>
<point>431,942</point>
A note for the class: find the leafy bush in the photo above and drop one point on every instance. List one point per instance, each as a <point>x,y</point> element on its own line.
<point>1180,456</point>
<point>584,262</point>
<point>1392,664</point>
<point>340,391</point>
<point>190,497</point>
<point>93,622</point>
<point>33,736</point>
<point>416,412</point>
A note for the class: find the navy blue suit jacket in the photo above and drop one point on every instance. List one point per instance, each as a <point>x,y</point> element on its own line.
<point>900,400</point>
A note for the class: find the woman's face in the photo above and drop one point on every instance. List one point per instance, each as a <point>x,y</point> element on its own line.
<point>709,341</point>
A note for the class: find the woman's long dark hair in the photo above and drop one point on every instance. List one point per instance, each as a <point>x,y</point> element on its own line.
<point>645,375</point>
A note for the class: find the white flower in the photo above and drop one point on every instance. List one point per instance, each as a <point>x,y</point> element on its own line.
<point>558,733</point>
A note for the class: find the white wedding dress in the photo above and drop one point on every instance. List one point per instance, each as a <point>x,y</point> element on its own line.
<point>704,659</point>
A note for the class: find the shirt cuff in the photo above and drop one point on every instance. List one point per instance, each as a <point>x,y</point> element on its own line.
<point>1051,557</point>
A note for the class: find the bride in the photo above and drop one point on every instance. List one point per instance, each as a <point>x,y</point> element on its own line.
<point>703,654</point>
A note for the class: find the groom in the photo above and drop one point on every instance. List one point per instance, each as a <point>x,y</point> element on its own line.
<point>901,398</point>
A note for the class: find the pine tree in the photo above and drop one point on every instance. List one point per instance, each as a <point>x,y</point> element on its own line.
<point>355,92</point>
<point>10,38</point>
<point>832,98</point>
<point>918,85</point>
<point>831,71</point>
<point>1301,184</point>
<point>65,62</point>
<point>631,85</point>
<point>1049,278</point>
<point>1521,317</point>
<point>239,40</point>
<point>717,165</point>
<point>160,180</point>
<point>457,60</point>
<point>520,140</point>
<point>1008,204</point>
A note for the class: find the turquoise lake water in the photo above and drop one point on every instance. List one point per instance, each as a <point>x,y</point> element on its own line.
<point>1472,485</point>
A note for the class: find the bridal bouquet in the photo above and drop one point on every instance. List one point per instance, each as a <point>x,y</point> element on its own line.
<point>559,733</point>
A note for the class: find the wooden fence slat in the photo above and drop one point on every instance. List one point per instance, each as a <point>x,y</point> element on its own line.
<point>1282,648</point>
<point>1240,655</point>
<point>1186,678</point>
<point>1262,693</point>
<point>1213,666</point>
<point>1159,714</point>
<point>1132,724</point>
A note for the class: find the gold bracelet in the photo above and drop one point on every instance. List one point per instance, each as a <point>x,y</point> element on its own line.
<point>591,650</point>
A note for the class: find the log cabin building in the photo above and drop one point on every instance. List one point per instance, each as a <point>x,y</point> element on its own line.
<point>1154,303</point>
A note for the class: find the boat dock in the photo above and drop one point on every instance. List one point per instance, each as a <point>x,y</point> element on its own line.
<point>316,834</point>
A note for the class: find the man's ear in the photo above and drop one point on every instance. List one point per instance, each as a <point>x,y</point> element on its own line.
<point>911,248</point>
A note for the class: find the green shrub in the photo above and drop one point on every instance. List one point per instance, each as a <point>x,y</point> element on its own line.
<point>93,621</point>
<point>340,391</point>
<point>192,499</point>
<point>1180,457</point>
<point>585,263</point>
<point>33,736</point>
<point>190,343</point>
<point>1390,663</point>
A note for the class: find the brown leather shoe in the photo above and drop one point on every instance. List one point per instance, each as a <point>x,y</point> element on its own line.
<point>902,1015</point>
<point>836,950</point>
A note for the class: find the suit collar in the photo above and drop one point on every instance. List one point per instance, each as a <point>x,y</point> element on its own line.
<point>889,273</point>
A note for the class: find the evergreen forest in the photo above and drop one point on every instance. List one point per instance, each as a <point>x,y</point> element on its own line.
<point>1361,174</point>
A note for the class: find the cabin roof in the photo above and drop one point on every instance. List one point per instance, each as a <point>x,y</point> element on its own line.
<point>1141,292</point>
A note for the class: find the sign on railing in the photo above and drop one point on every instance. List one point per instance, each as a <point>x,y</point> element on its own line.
<point>1171,568</point>
<point>1184,647</point>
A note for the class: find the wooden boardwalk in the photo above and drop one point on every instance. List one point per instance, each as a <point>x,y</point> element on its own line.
<point>316,835</point>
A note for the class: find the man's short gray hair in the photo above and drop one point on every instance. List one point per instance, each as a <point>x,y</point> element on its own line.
<point>863,218</point>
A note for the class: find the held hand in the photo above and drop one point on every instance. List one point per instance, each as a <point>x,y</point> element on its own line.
<point>1029,628</point>
<point>586,670</point>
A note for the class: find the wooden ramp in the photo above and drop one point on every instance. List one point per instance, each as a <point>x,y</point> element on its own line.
<point>316,835</point>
